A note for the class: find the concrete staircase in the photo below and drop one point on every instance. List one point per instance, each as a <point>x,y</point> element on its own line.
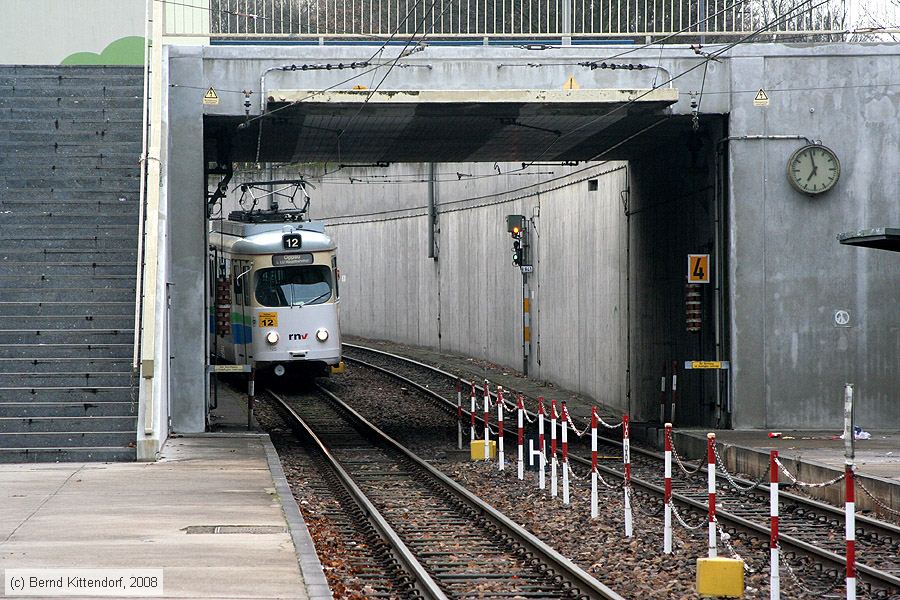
<point>70,142</point>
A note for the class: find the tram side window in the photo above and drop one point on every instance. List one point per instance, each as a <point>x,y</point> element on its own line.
<point>293,286</point>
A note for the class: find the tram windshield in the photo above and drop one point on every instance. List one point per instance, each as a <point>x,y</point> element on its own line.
<point>293,286</point>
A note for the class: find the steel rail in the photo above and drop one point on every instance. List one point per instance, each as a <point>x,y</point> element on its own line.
<point>585,583</point>
<point>873,575</point>
<point>421,580</point>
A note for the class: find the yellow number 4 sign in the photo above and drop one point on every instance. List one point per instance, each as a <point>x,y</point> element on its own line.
<point>698,268</point>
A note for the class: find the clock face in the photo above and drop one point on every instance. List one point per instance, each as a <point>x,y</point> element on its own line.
<point>813,169</point>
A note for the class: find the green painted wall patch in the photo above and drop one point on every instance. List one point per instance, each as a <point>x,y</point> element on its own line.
<point>123,51</point>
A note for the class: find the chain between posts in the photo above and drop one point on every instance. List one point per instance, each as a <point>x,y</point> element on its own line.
<point>683,522</point>
<point>877,501</point>
<point>726,539</point>
<point>796,481</point>
<point>803,589</point>
<point>677,458</point>
<point>740,489</point>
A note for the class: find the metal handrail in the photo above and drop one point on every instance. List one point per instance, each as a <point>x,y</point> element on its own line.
<point>477,19</point>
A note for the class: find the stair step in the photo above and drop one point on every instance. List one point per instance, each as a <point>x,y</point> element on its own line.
<point>68,269</point>
<point>67,439</point>
<point>82,454</point>
<point>66,336</point>
<point>84,243</point>
<point>68,409</point>
<point>27,380</point>
<point>88,180</point>
<point>132,101</point>
<point>55,255</point>
<point>88,89</point>
<point>37,283</point>
<point>57,322</point>
<point>36,425</point>
<point>61,169</point>
<point>73,72</point>
<point>66,308</point>
<point>73,364</point>
<point>86,159</point>
<point>67,394</point>
<point>20,218</point>
<point>95,136</point>
<point>117,294</point>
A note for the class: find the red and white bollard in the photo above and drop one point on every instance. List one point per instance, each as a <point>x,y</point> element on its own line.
<point>594,511</point>
<point>849,491</point>
<point>487,429</point>
<point>520,410</point>
<point>626,460</point>
<point>774,577</point>
<point>472,415</point>
<point>565,453</point>
<point>553,416</point>
<point>667,492</point>
<point>711,488</point>
<point>850,512</point>
<point>542,480</point>
<point>459,425</point>
<point>501,457</point>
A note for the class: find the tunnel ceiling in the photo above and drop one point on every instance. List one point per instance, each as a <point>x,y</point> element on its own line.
<point>436,126</point>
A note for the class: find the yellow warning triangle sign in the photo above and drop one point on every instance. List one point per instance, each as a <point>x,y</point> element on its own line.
<point>210,97</point>
<point>762,98</point>
<point>571,84</point>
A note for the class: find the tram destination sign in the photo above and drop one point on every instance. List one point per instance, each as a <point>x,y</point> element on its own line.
<point>229,368</point>
<point>286,260</point>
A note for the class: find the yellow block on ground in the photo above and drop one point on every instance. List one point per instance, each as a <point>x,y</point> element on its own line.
<point>338,368</point>
<point>477,449</point>
<point>720,577</point>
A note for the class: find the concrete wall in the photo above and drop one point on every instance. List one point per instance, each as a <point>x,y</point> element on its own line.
<point>50,32</point>
<point>469,301</point>
<point>788,273</point>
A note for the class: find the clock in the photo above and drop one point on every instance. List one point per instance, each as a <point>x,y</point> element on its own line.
<point>813,169</point>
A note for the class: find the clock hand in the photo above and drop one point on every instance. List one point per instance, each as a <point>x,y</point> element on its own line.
<point>813,172</point>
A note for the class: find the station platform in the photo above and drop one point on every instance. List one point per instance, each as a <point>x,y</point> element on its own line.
<point>811,455</point>
<point>215,514</point>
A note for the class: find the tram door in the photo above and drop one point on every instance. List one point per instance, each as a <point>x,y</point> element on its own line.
<point>242,315</point>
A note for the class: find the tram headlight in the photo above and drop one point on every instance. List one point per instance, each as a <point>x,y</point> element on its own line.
<point>321,334</point>
<point>272,337</point>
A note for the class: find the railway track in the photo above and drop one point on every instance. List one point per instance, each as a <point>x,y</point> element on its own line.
<point>808,528</point>
<point>439,540</point>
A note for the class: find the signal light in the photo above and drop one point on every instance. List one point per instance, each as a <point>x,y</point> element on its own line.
<point>517,254</point>
<point>515,224</point>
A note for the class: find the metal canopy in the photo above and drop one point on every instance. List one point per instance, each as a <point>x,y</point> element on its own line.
<point>882,238</point>
<point>440,126</point>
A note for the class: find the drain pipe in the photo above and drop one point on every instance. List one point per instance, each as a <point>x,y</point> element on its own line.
<point>432,214</point>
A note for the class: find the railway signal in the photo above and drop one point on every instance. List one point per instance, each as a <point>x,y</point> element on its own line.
<point>515,225</point>
<point>517,253</point>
